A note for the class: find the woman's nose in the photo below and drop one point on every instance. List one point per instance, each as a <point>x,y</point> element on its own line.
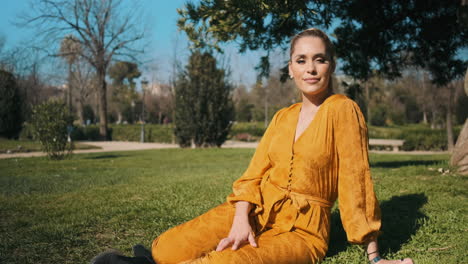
<point>311,68</point>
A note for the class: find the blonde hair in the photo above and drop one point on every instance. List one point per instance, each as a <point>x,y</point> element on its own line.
<point>315,32</point>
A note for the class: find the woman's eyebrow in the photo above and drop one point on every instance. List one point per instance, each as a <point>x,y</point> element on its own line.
<point>300,56</point>
<point>321,55</point>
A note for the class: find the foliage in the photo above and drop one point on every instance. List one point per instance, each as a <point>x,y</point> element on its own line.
<point>204,109</point>
<point>10,106</point>
<point>87,202</point>
<point>417,137</point>
<point>153,133</point>
<point>424,34</point>
<point>379,115</point>
<point>103,29</point>
<point>88,114</point>
<point>49,125</point>
<point>124,72</point>
<point>254,24</point>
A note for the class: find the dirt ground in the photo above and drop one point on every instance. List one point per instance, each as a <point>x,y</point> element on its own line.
<point>109,146</point>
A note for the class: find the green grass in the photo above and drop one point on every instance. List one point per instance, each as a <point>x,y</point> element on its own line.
<point>17,146</point>
<point>68,211</point>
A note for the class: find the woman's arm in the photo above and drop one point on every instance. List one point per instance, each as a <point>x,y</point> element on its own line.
<point>241,231</point>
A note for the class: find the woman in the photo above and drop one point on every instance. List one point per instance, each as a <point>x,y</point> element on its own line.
<point>311,154</point>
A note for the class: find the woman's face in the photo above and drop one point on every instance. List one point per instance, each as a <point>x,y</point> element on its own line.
<point>310,65</point>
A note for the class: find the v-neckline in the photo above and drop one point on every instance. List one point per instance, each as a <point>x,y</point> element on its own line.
<point>296,120</point>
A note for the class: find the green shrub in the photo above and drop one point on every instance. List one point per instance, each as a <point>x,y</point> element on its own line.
<point>255,129</point>
<point>416,136</point>
<point>49,126</point>
<point>153,133</point>
<point>378,115</point>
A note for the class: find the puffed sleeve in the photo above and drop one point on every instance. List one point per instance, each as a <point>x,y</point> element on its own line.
<point>247,187</point>
<point>359,207</point>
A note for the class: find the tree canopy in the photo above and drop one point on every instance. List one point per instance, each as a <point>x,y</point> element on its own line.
<point>381,35</point>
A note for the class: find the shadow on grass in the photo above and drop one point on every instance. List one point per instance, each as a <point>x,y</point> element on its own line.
<point>107,156</point>
<point>403,163</point>
<point>400,220</point>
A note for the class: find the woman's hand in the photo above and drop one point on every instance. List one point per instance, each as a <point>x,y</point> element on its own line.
<point>241,231</point>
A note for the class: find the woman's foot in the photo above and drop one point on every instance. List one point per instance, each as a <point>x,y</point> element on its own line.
<point>140,251</point>
<point>115,257</point>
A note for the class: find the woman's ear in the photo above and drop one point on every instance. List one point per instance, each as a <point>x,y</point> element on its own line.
<point>289,70</point>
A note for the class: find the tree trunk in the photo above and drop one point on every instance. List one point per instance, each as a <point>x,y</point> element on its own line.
<point>449,125</point>
<point>70,88</point>
<point>79,110</point>
<point>367,94</point>
<point>102,87</point>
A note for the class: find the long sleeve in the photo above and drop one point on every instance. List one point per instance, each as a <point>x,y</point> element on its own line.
<point>247,187</point>
<point>359,207</point>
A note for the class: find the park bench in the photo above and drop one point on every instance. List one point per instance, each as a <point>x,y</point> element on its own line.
<point>394,143</point>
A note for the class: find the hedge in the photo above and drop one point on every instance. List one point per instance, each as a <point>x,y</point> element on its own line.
<point>417,137</point>
<point>153,133</point>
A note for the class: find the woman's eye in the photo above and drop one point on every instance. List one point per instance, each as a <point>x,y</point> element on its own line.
<point>300,61</point>
<point>321,60</point>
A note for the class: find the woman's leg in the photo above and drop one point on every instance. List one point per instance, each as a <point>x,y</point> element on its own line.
<point>194,242</point>
<point>194,238</point>
<point>284,248</point>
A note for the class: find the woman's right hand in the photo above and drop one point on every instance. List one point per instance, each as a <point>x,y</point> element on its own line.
<point>241,233</point>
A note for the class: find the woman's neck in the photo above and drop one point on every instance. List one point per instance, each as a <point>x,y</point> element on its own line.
<point>312,102</point>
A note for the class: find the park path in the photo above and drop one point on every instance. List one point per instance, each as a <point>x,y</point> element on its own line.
<point>109,146</point>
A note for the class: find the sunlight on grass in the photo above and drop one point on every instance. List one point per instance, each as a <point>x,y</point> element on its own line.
<point>68,211</point>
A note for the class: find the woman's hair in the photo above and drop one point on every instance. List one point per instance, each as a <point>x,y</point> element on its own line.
<point>314,32</point>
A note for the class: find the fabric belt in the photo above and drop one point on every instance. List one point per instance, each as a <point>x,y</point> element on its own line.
<point>300,201</point>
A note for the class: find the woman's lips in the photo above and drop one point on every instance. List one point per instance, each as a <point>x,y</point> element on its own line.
<point>311,80</point>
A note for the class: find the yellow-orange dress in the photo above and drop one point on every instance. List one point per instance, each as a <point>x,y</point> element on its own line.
<point>292,186</point>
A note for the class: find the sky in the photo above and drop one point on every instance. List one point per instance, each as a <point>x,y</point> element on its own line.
<point>162,35</point>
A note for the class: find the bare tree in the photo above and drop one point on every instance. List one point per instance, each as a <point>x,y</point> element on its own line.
<point>84,86</point>
<point>70,48</point>
<point>103,28</point>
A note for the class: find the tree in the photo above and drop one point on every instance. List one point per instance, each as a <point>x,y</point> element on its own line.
<point>69,49</point>
<point>381,36</point>
<point>123,74</point>
<point>84,87</point>
<point>388,36</point>
<point>102,28</point>
<point>10,106</point>
<point>254,24</point>
<point>204,109</point>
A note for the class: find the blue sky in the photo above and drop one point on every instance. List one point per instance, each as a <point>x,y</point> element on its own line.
<point>163,33</point>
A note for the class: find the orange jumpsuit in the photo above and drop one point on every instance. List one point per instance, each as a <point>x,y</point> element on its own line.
<point>292,185</point>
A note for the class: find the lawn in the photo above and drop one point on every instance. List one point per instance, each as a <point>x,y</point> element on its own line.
<point>17,146</point>
<point>68,211</point>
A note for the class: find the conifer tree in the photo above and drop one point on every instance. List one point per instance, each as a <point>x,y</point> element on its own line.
<point>204,108</point>
<point>10,106</point>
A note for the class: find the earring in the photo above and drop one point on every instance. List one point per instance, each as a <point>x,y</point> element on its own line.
<point>290,77</point>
